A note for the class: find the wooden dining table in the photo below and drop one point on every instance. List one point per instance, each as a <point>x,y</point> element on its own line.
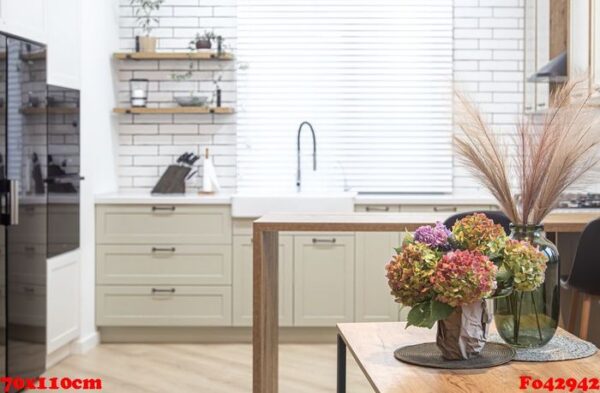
<point>372,346</point>
<point>265,335</point>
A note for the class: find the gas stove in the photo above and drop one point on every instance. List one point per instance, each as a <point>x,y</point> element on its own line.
<point>580,201</point>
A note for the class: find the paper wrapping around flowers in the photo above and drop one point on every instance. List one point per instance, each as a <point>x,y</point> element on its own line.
<point>464,333</point>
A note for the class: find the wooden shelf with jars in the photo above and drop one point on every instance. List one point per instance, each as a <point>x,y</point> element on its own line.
<point>208,55</point>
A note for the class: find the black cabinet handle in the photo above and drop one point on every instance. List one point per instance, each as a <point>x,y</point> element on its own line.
<point>330,241</point>
<point>158,290</point>
<point>28,289</point>
<point>163,249</point>
<point>163,208</point>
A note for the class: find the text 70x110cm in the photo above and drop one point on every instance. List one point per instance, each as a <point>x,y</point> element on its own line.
<point>43,383</point>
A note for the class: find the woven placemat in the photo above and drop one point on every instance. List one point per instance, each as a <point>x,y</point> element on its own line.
<point>428,355</point>
<point>563,346</point>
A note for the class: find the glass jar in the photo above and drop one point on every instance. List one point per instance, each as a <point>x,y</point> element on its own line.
<point>138,92</point>
<point>530,319</point>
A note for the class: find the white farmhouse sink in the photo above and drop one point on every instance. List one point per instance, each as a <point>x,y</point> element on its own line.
<point>249,205</point>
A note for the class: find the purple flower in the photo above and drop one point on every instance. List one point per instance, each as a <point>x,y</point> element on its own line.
<point>436,237</point>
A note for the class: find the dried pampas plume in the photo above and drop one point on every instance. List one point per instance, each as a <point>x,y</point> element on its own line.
<point>528,171</point>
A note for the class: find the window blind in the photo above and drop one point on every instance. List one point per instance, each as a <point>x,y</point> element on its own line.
<point>373,77</point>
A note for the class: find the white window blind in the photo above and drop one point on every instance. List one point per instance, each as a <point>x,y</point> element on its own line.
<point>373,77</point>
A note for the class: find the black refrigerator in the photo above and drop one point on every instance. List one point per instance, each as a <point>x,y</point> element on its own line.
<point>39,198</point>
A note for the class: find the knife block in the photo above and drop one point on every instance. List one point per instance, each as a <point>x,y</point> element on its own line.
<point>172,181</point>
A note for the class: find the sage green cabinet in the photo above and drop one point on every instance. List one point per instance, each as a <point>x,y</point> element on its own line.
<point>323,279</point>
<point>242,280</point>
<point>373,301</point>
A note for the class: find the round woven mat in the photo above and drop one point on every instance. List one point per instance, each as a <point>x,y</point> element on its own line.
<point>428,355</point>
<point>563,346</point>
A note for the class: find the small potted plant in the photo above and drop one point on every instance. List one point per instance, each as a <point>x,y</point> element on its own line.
<point>204,41</point>
<point>145,20</point>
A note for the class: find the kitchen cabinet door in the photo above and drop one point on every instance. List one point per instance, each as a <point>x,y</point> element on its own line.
<point>242,280</point>
<point>323,279</point>
<point>64,42</point>
<point>63,300</point>
<point>373,302</point>
<point>26,19</point>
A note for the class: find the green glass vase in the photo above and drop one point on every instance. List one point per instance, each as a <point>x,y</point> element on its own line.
<point>530,319</point>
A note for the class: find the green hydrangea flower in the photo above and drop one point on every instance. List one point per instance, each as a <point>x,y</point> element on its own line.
<point>477,232</point>
<point>410,272</point>
<point>527,264</point>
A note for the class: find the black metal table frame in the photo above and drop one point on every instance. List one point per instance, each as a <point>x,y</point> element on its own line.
<point>341,365</point>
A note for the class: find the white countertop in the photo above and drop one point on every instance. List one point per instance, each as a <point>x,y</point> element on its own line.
<point>416,199</point>
<point>360,199</point>
<point>147,198</point>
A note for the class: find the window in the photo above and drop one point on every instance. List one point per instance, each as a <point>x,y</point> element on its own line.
<point>373,77</point>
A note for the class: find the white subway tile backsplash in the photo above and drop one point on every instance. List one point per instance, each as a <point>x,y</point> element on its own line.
<point>472,12</point>
<point>192,140</point>
<point>152,139</point>
<point>138,150</point>
<point>135,129</point>
<point>179,128</point>
<point>193,11</point>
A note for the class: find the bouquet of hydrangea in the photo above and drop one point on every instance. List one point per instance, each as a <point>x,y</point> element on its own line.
<point>438,269</point>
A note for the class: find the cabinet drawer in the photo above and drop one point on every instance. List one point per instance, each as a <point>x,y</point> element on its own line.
<point>163,224</point>
<point>163,265</point>
<point>449,209</point>
<point>163,306</point>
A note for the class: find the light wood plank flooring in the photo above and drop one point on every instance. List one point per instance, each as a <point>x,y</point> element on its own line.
<point>206,368</point>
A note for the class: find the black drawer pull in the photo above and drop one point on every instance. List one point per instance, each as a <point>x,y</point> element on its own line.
<point>163,249</point>
<point>163,208</point>
<point>157,290</point>
<point>330,241</point>
<point>377,208</point>
<point>28,290</point>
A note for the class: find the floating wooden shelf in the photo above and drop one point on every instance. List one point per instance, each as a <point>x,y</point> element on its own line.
<point>175,110</point>
<point>172,56</point>
<point>51,110</point>
<point>38,55</point>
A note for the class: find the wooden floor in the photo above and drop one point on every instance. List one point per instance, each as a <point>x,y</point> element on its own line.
<point>206,368</point>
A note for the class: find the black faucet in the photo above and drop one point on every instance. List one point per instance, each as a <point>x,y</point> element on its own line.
<point>299,172</point>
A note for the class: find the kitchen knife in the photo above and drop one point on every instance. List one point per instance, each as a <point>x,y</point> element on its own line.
<point>193,159</point>
<point>185,157</point>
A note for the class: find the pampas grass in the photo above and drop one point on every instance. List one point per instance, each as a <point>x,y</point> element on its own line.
<point>528,171</point>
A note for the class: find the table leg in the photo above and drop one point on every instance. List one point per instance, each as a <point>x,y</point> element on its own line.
<point>341,365</point>
<point>265,329</point>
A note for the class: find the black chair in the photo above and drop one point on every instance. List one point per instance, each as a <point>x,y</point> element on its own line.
<point>496,216</point>
<point>584,277</point>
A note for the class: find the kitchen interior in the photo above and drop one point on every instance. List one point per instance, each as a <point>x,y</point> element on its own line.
<point>141,139</point>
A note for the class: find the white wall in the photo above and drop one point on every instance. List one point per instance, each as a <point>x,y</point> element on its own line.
<point>98,139</point>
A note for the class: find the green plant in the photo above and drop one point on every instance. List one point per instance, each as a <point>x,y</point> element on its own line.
<point>143,13</point>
